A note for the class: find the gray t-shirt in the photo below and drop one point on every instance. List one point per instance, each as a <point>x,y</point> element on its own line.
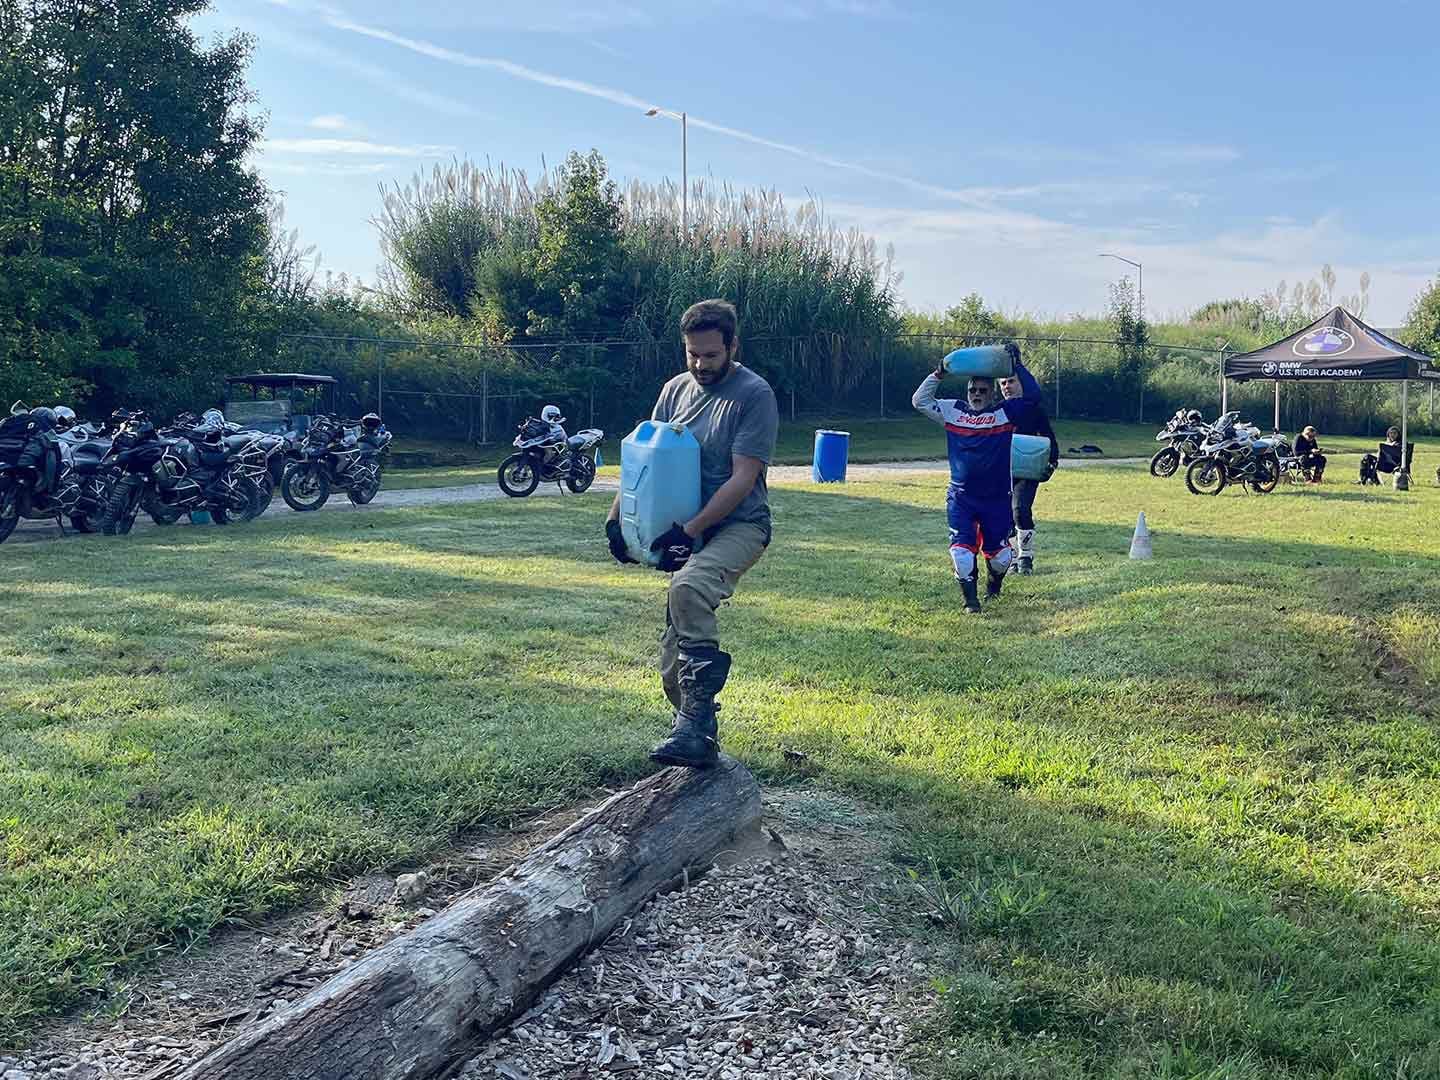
<point>737,416</point>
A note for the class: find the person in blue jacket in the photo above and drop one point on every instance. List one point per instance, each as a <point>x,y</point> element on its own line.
<point>978,431</point>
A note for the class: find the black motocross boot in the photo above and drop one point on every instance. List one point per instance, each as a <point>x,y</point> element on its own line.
<point>993,580</point>
<point>694,733</point>
<point>969,587</point>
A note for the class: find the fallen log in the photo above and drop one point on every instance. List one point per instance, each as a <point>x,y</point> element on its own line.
<point>413,1008</point>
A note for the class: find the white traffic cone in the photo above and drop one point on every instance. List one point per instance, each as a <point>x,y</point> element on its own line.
<point>1140,543</point>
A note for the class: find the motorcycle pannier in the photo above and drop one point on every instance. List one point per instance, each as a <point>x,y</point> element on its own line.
<point>15,432</point>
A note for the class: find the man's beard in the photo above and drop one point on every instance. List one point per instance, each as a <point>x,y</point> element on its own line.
<point>710,378</point>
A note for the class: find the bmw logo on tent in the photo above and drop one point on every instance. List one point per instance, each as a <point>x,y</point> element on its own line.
<point>1269,367</point>
<point>1324,342</point>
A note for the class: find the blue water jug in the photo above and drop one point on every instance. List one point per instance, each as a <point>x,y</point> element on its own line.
<point>990,361</point>
<point>1029,457</point>
<point>832,454</point>
<point>659,484</point>
<point>199,517</point>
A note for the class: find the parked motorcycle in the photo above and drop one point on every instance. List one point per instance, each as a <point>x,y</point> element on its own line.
<point>258,455</point>
<point>83,448</point>
<point>177,475</point>
<point>542,455</point>
<point>41,476</point>
<point>1183,435</point>
<point>332,457</point>
<point>1235,453</point>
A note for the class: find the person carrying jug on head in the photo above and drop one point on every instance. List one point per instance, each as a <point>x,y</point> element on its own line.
<point>733,414</point>
<point>978,430</point>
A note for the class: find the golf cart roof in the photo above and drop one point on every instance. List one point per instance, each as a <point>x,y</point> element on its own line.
<point>281,380</point>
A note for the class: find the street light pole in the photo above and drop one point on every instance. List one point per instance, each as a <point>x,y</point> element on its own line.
<point>1141,275</point>
<point>684,162</point>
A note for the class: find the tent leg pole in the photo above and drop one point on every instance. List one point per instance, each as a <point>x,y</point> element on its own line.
<point>1277,406</point>
<point>1404,424</point>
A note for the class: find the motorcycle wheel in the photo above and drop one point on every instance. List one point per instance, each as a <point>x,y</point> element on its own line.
<point>265,495</point>
<point>305,487</point>
<point>582,474</point>
<point>9,513</point>
<point>365,491</point>
<point>518,476</point>
<point>243,504</point>
<point>118,517</point>
<point>1165,462</point>
<point>1205,477</point>
<point>160,513</point>
<point>1267,475</point>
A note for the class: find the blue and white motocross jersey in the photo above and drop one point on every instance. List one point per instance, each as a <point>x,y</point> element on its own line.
<point>979,439</point>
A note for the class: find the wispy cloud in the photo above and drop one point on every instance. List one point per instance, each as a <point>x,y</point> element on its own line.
<point>631,101</point>
<point>355,146</point>
<point>581,17</point>
<point>323,168</point>
<point>306,48</point>
<point>1013,257</point>
<point>329,122</point>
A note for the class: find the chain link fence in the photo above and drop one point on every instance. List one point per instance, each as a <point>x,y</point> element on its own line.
<point>478,393</point>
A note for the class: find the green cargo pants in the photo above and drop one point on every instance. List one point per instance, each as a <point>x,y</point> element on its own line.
<point>705,582</point>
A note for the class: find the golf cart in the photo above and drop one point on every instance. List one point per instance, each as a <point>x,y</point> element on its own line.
<point>278,403</point>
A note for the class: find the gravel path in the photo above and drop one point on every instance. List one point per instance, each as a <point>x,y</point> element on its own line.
<point>34,531</point>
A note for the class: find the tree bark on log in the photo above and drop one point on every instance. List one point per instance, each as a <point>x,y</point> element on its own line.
<point>413,1008</point>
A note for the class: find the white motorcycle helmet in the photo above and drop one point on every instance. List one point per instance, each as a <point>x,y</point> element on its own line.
<point>551,415</point>
<point>212,418</point>
<point>65,418</point>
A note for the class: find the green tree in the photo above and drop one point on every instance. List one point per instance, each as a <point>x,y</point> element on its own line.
<point>972,319</point>
<point>136,233</point>
<point>1132,334</point>
<point>580,262</point>
<point>1422,325</point>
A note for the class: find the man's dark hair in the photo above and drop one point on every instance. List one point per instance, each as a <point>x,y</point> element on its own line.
<point>711,315</point>
<point>1013,348</point>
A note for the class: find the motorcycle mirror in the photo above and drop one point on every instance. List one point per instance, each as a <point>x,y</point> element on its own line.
<point>18,409</point>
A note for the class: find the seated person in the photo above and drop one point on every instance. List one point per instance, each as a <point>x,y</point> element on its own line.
<point>1308,451</point>
<point>1389,457</point>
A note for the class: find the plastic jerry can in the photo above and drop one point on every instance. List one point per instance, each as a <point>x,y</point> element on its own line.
<point>1029,457</point>
<point>991,361</point>
<point>659,484</point>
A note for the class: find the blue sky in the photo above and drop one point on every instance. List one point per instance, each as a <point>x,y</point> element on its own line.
<point>998,147</point>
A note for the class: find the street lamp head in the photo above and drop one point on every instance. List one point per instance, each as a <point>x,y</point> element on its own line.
<point>652,112</point>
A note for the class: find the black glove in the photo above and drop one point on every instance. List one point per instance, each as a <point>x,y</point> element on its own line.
<point>1049,471</point>
<point>675,547</point>
<point>617,541</point>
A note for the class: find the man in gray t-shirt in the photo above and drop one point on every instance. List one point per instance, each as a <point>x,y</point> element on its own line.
<point>732,413</point>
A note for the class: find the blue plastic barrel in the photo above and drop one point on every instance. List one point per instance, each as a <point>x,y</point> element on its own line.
<point>659,484</point>
<point>832,455</point>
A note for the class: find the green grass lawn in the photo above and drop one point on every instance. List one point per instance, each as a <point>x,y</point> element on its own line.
<point>910,438</point>
<point>1189,808</point>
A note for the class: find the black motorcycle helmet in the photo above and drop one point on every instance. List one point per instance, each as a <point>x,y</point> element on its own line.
<point>43,418</point>
<point>370,422</point>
